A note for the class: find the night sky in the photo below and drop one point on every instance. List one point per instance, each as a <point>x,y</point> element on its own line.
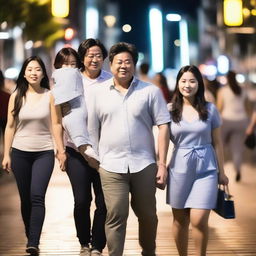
<point>135,13</point>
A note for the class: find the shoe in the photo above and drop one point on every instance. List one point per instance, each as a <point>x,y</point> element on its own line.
<point>96,252</point>
<point>238,177</point>
<point>33,250</point>
<point>85,251</point>
<point>91,153</point>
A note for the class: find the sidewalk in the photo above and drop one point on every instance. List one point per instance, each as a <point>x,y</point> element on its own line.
<point>227,237</point>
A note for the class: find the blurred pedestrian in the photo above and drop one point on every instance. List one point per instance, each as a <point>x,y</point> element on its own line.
<point>90,232</point>
<point>28,147</point>
<point>211,88</point>
<point>4,99</point>
<point>68,92</point>
<point>160,81</point>
<point>143,72</point>
<point>252,124</point>
<point>250,140</point>
<point>197,160</point>
<point>121,115</point>
<point>232,103</point>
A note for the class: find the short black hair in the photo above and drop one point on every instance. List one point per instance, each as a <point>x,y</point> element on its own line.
<point>88,43</point>
<point>144,68</point>
<point>123,47</point>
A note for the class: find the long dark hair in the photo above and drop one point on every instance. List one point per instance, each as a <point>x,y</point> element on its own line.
<point>1,80</point>
<point>233,84</point>
<point>22,83</point>
<point>199,103</point>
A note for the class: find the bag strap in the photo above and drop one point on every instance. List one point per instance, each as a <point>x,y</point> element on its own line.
<point>225,188</point>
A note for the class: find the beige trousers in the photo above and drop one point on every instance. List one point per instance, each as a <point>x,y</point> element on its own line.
<point>116,188</point>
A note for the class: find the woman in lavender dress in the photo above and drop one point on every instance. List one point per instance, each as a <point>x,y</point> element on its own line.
<point>195,168</point>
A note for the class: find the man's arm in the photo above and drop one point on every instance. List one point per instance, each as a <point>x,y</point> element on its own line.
<point>163,145</point>
<point>93,123</point>
<point>93,126</point>
<point>57,132</point>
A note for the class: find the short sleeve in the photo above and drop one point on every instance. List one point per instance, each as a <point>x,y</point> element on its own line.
<point>214,116</point>
<point>160,112</point>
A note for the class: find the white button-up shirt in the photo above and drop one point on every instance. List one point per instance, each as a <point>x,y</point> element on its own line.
<point>121,125</point>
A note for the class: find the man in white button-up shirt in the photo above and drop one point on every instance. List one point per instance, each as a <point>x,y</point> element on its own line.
<point>122,112</point>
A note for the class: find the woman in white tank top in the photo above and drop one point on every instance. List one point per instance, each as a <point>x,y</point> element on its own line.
<point>231,102</point>
<point>28,149</point>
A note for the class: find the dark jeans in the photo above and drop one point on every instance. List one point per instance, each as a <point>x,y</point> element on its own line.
<point>32,171</point>
<point>82,178</point>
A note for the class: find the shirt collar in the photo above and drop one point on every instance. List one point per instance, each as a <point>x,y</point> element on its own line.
<point>134,82</point>
<point>100,77</point>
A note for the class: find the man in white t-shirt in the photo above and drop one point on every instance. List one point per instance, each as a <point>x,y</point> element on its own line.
<point>82,177</point>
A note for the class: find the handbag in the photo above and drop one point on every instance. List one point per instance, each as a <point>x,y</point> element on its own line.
<point>225,205</point>
<point>250,141</point>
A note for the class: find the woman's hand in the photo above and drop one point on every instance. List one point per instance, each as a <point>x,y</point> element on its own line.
<point>223,179</point>
<point>249,130</point>
<point>6,164</point>
<point>62,158</point>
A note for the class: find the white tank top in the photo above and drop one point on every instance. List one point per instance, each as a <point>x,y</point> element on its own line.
<point>33,132</point>
<point>233,105</point>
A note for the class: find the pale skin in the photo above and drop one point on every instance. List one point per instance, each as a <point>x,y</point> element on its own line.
<point>93,62</point>
<point>123,69</point>
<point>198,218</point>
<point>34,75</point>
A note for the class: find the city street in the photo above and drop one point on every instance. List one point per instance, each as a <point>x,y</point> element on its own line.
<point>184,49</point>
<point>227,237</point>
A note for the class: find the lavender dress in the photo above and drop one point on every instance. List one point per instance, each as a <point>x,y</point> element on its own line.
<point>193,170</point>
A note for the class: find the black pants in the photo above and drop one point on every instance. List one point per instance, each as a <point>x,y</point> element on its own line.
<point>32,171</point>
<point>82,178</point>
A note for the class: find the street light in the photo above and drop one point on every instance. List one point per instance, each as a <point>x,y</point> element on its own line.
<point>183,33</point>
<point>184,44</point>
<point>69,34</point>
<point>233,12</point>
<point>173,17</point>
<point>92,21</point>
<point>60,8</point>
<point>110,20</point>
<point>126,28</point>
<point>156,39</point>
